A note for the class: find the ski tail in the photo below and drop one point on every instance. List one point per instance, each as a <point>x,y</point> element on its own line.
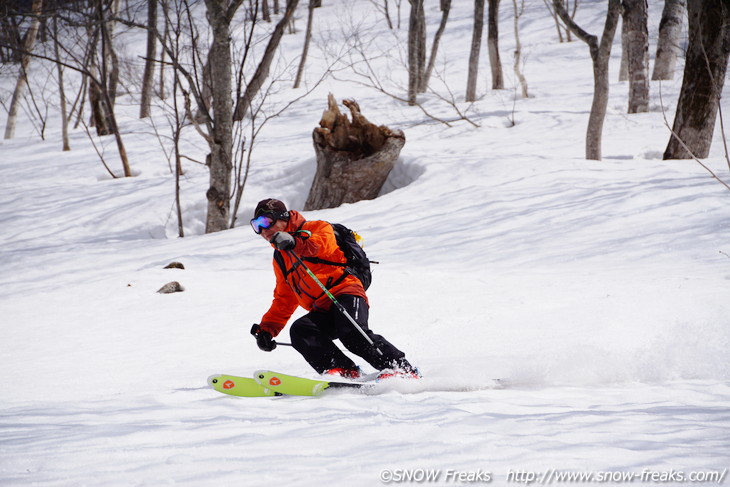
<point>239,386</point>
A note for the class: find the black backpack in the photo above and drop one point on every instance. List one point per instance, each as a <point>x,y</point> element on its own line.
<point>357,263</point>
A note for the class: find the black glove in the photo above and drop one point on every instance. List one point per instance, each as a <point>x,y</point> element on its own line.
<point>283,241</point>
<point>263,339</point>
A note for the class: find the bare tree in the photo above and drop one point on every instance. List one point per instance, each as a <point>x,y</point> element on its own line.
<point>518,11</point>
<point>149,65</point>
<point>385,8</point>
<point>307,40</point>
<point>212,90</point>
<point>445,9</point>
<point>220,160</point>
<point>262,71</point>
<point>558,25</point>
<point>165,34</point>
<point>670,29</point>
<point>600,55</point>
<point>61,88</point>
<point>176,133</point>
<point>22,81</point>
<point>416,49</point>
<point>495,62</point>
<point>93,25</point>
<point>103,64</point>
<point>635,16</point>
<point>361,52</point>
<point>704,76</point>
<point>476,43</point>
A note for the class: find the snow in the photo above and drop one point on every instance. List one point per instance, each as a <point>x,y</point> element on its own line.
<point>597,290</point>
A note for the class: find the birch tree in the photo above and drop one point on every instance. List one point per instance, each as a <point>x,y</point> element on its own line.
<point>670,29</point>
<point>148,77</point>
<point>22,81</point>
<point>518,10</point>
<point>61,88</point>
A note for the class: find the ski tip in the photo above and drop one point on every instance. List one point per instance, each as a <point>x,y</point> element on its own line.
<point>213,380</point>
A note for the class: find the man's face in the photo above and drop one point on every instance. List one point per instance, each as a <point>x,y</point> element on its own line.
<point>278,226</point>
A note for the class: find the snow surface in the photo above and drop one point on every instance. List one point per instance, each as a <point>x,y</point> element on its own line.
<point>597,290</point>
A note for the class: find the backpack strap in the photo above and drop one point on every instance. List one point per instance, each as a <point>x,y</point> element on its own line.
<point>317,260</point>
<point>280,260</point>
<point>314,260</point>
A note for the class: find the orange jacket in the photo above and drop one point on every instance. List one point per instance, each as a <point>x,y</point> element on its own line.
<point>313,239</point>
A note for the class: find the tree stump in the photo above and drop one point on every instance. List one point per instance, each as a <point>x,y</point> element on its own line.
<point>354,157</point>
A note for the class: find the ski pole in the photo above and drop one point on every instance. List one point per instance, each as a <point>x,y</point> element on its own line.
<point>334,300</point>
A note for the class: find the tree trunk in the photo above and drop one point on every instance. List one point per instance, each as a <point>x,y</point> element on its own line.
<point>176,131</point>
<point>307,39</point>
<point>22,81</point>
<point>445,9</point>
<point>353,158</point>
<point>166,16</point>
<point>111,52</point>
<point>704,76</point>
<point>416,49</point>
<point>670,28</point>
<point>221,144</point>
<point>635,17</point>
<point>518,48</point>
<point>148,78</point>
<point>493,44</point>
<point>102,93</point>
<point>600,55</point>
<point>476,43</point>
<point>262,72</point>
<point>623,72</point>
<point>61,89</point>
<point>555,18</point>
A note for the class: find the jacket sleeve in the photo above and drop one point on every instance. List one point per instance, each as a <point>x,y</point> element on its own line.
<point>317,238</point>
<point>282,307</point>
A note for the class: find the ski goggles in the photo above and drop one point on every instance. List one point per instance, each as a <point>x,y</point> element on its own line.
<point>262,222</point>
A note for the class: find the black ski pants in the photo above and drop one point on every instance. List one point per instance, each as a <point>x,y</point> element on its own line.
<point>312,335</point>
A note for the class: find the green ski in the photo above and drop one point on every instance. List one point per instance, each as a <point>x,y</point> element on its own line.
<point>239,386</point>
<point>299,386</point>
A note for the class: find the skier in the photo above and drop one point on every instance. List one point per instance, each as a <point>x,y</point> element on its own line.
<point>312,335</point>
